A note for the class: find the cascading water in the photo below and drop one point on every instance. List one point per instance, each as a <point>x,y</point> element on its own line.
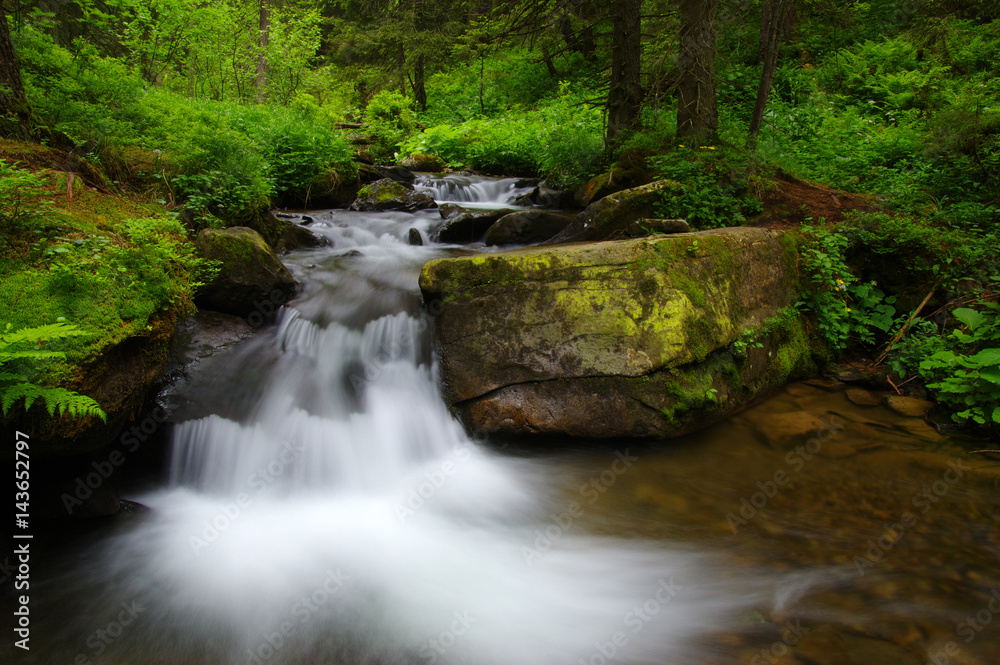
<point>472,191</point>
<point>345,517</point>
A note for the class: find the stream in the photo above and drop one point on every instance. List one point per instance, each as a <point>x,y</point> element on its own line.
<point>322,506</point>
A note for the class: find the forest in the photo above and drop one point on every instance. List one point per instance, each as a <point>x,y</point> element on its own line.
<point>130,125</point>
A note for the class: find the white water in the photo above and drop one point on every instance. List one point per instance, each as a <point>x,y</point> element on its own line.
<point>471,191</point>
<point>350,511</point>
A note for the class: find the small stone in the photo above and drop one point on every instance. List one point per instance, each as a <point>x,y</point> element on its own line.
<point>908,406</point>
<point>862,397</point>
<point>415,238</point>
<point>789,425</point>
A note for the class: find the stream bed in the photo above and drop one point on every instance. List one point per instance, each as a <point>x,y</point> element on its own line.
<point>322,506</point>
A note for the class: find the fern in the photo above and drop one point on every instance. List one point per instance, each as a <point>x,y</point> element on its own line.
<point>14,388</point>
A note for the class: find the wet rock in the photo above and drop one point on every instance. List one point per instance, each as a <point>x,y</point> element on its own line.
<point>783,426</point>
<point>826,645</point>
<point>469,226</point>
<point>383,195</point>
<point>424,163</point>
<point>368,173</point>
<point>414,237</point>
<point>306,220</point>
<point>450,210</point>
<point>525,227</point>
<point>250,272</point>
<point>398,173</point>
<point>546,197</point>
<point>862,397</point>
<point>614,213</point>
<point>648,227</point>
<point>908,406</point>
<point>295,237</point>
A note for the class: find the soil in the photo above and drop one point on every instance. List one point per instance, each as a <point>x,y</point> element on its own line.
<point>789,201</point>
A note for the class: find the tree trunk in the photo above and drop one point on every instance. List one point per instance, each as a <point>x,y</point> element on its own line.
<point>15,114</point>
<point>625,91</point>
<point>260,83</point>
<point>419,91</point>
<point>772,25</point>
<point>697,113</point>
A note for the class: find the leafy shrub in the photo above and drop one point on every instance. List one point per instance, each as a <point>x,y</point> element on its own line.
<point>21,194</point>
<point>711,198</point>
<point>962,369</point>
<point>388,120</point>
<point>841,309</point>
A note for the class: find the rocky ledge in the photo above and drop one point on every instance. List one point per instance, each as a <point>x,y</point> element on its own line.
<point>650,337</point>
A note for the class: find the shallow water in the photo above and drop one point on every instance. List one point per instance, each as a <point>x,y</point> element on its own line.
<point>323,507</point>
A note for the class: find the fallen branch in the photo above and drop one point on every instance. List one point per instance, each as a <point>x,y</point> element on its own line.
<point>902,331</point>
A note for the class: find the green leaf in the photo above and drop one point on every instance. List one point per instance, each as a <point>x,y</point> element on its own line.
<point>991,374</point>
<point>987,357</point>
<point>969,317</point>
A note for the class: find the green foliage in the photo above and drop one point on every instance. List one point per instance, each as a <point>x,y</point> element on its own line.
<point>21,194</point>
<point>841,308</point>
<point>560,141</point>
<point>712,197</point>
<point>15,387</point>
<point>962,369</point>
<point>389,119</point>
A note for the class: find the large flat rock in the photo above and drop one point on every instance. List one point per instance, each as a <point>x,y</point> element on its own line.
<point>646,337</point>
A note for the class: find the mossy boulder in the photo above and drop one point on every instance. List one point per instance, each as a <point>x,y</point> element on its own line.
<point>613,181</point>
<point>388,194</point>
<point>424,163</point>
<point>649,337</point>
<point>611,215</point>
<point>526,227</point>
<point>250,280</point>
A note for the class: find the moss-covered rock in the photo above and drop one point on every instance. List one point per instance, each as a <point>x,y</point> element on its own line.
<point>387,194</point>
<point>249,274</point>
<point>647,337</point>
<point>424,163</point>
<point>615,212</point>
<point>613,181</point>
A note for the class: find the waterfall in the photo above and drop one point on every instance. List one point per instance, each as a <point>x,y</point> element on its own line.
<point>347,517</point>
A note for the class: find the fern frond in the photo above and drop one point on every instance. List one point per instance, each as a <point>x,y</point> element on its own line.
<point>56,400</point>
<point>36,334</point>
<point>29,353</point>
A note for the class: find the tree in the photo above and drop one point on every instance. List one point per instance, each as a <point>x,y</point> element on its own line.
<point>264,27</point>
<point>773,24</point>
<point>16,120</point>
<point>625,90</point>
<point>697,113</point>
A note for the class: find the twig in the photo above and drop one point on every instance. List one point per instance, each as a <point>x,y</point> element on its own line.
<point>902,331</point>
